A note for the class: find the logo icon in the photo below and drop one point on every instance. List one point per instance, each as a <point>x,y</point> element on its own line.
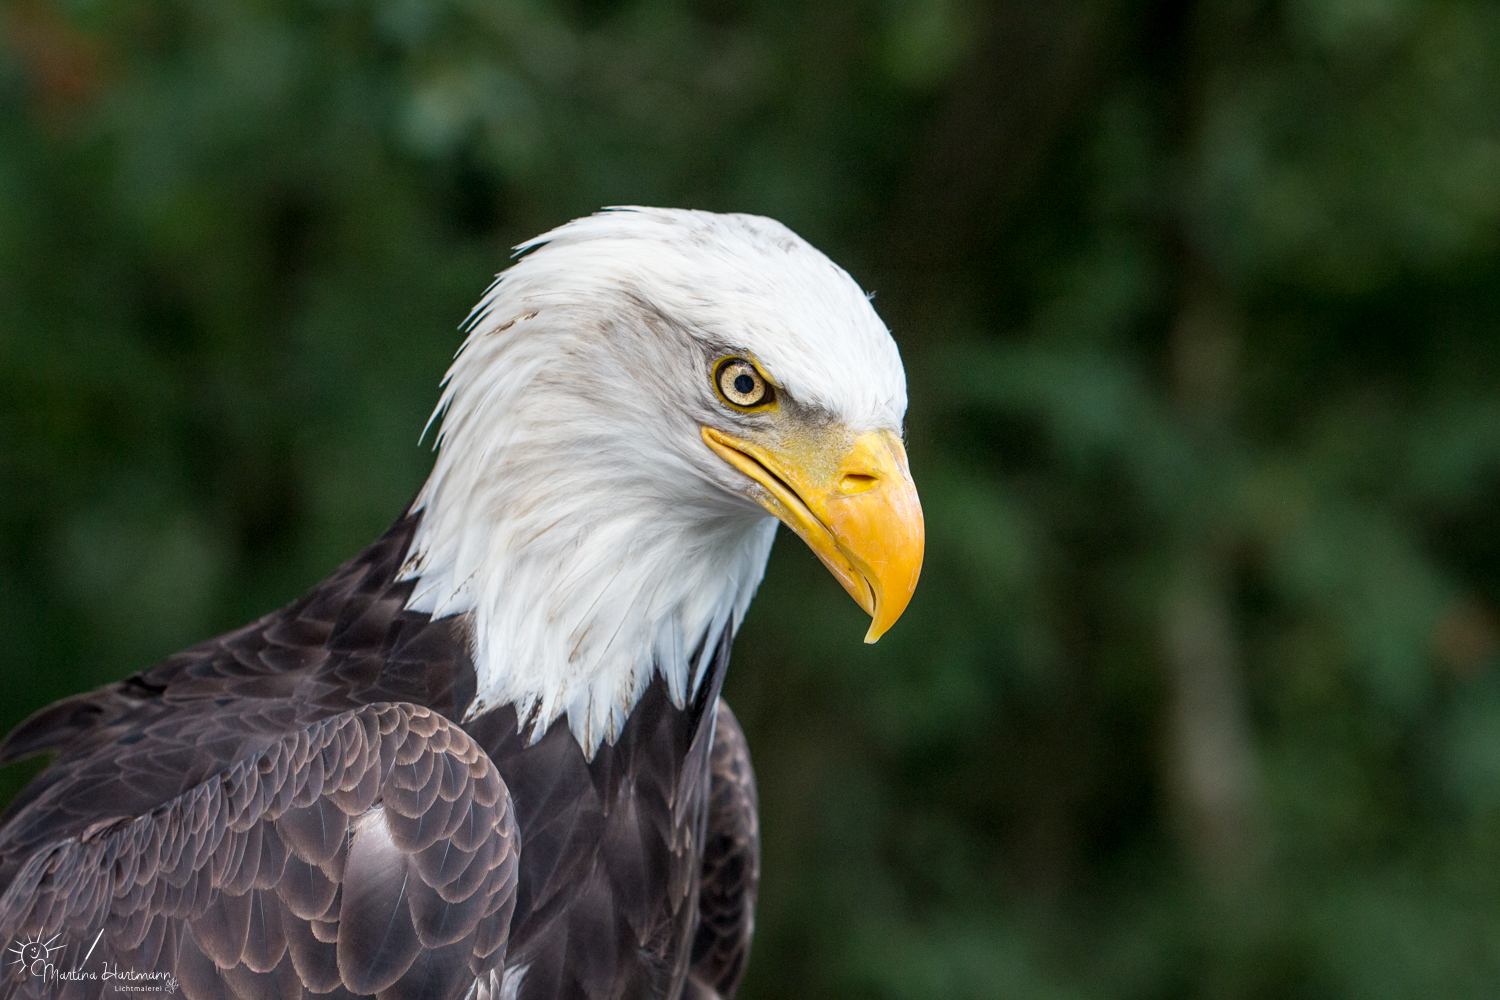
<point>33,954</point>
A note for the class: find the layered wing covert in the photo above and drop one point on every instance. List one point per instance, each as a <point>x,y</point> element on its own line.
<point>370,852</point>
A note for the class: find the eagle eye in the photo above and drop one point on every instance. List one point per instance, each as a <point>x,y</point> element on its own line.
<point>741,385</point>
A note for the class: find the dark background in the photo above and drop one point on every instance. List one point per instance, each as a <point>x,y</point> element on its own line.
<point>1199,694</point>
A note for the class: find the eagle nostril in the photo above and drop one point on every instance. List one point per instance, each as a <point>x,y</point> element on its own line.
<point>854,482</point>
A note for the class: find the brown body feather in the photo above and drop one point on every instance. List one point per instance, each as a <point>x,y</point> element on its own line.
<point>293,809</point>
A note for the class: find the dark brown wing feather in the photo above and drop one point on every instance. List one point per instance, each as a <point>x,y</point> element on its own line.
<point>283,805</point>
<point>372,851</point>
<point>731,868</point>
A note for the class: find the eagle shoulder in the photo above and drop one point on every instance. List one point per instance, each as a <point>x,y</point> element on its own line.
<point>284,807</point>
<point>374,851</point>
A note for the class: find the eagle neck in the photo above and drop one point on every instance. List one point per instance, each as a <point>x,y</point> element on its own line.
<point>577,620</point>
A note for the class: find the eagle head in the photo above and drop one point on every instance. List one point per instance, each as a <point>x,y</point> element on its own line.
<point>639,399</point>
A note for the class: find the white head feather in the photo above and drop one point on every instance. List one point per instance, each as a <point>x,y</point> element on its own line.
<point>574,511</point>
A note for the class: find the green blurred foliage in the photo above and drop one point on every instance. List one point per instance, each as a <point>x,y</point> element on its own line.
<point>1199,694</point>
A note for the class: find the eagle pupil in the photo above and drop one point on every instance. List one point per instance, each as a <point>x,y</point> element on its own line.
<point>743,384</point>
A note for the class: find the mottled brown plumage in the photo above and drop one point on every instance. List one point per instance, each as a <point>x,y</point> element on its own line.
<point>294,809</point>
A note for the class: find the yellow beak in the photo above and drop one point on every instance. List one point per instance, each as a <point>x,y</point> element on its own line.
<point>851,499</point>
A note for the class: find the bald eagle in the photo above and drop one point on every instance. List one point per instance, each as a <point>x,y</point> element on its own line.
<point>487,758</point>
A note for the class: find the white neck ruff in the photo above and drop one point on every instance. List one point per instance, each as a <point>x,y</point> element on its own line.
<point>589,540</point>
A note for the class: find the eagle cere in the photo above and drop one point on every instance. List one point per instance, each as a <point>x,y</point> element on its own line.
<point>487,757</point>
